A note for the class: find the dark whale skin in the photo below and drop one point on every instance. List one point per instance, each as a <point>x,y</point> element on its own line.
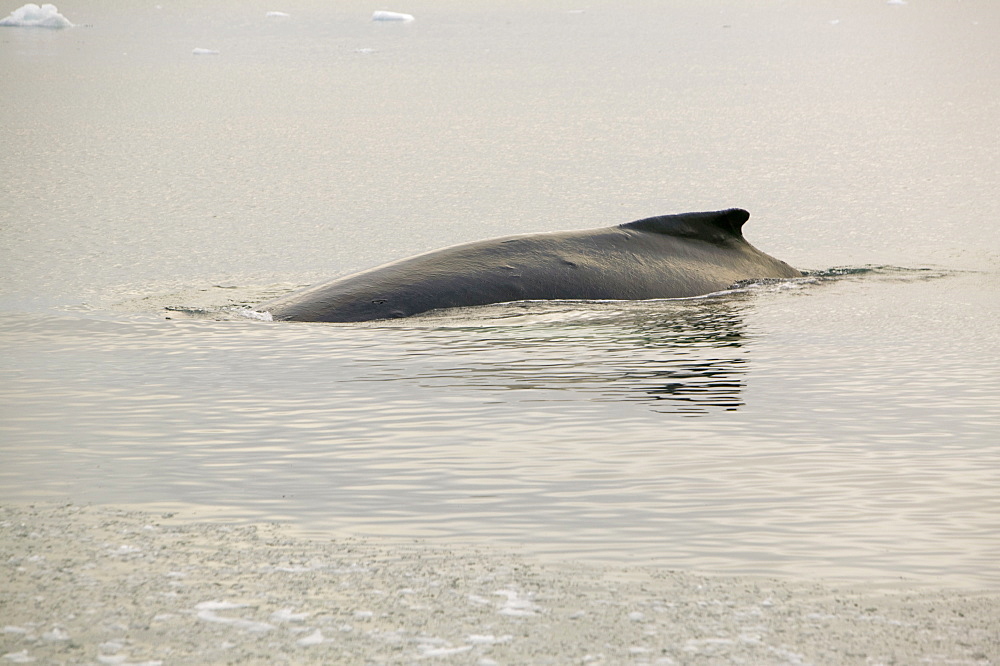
<point>670,256</point>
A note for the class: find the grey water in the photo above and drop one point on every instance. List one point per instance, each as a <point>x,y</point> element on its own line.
<point>845,425</point>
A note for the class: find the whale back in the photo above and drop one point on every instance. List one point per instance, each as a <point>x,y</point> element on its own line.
<point>713,227</point>
<point>669,256</point>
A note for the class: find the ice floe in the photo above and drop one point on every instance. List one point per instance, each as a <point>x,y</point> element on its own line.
<point>207,612</point>
<point>33,16</point>
<point>315,638</point>
<point>288,615</point>
<point>428,650</point>
<point>199,51</point>
<point>57,634</point>
<point>488,639</point>
<point>277,15</point>
<point>391,16</point>
<point>516,606</point>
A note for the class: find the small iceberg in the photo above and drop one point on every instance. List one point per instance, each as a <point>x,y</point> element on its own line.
<point>33,16</point>
<point>205,52</point>
<point>277,15</point>
<point>391,16</point>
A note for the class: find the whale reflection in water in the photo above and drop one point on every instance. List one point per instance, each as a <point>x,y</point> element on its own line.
<point>683,357</point>
<point>696,364</point>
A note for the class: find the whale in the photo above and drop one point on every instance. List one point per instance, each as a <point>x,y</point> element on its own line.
<point>669,256</point>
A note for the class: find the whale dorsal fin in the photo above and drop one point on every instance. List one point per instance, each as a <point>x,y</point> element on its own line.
<point>714,227</point>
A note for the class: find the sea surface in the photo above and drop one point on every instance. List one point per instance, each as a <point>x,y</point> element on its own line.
<point>845,425</point>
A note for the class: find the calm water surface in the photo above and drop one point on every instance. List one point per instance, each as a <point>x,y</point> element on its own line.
<point>844,425</point>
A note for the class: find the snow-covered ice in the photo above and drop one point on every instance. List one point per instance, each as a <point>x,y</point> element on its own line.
<point>515,606</point>
<point>33,16</point>
<point>391,16</point>
<point>288,615</point>
<point>200,51</point>
<point>315,638</point>
<point>207,612</point>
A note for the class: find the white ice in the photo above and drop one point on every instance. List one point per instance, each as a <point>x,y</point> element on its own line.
<point>288,615</point>
<point>206,611</point>
<point>391,16</point>
<point>122,659</point>
<point>57,634</point>
<point>33,16</point>
<point>277,15</point>
<point>199,51</point>
<point>218,605</point>
<point>488,639</point>
<point>445,651</point>
<point>515,606</point>
<point>315,638</point>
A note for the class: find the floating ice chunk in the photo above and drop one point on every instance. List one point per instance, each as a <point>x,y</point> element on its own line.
<point>33,16</point>
<point>515,606</point>
<point>112,659</point>
<point>277,15</point>
<point>488,639</point>
<point>315,638</point>
<point>895,2</point>
<point>218,605</point>
<point>446,651</point>
<point>115,659</point>
<point>21,657</point>
<point>57,634</point>
<point>391,16</point>
<point>199,51</point>
<point>288,615</point>
<point>206,611</point>
<point>11,629</point>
